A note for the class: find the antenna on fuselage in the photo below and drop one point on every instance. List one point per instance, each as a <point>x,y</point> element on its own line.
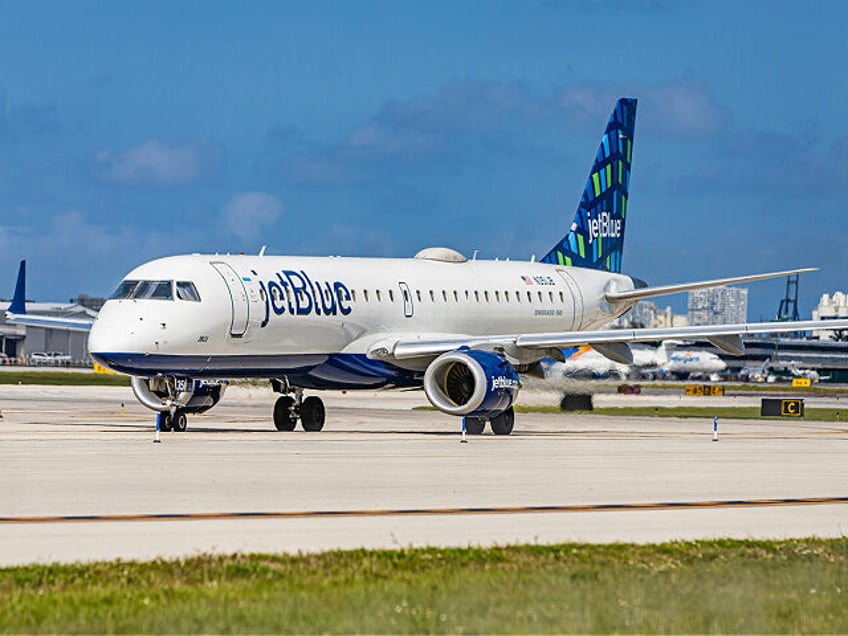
<point>474,256</point>
<point>533,258</point>
<point>262,251</point>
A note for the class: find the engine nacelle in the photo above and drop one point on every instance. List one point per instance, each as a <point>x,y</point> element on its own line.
<point>192,396</point>
<point>469,382</point>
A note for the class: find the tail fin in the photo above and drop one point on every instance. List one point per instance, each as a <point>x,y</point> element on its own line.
<point>18,305</point>
<point>596,237</point>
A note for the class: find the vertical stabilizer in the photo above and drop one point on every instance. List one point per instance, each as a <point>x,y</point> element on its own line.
<point>18,305</point>
<point>596,237</point>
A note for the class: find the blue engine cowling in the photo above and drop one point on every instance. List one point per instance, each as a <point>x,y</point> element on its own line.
<point>469,382</point>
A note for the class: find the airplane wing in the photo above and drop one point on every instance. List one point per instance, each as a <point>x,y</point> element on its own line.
<point>650,292</point>
<point>31,320</point>
<point>17,315</point>
<point>610,342</point>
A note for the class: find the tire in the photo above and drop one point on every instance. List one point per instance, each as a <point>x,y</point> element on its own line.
<point>502,424</point>
<point>474,425</point>
<point>312,414</point>
<point>179,422</point>
<point>284,417</point>
<point>165,422</point>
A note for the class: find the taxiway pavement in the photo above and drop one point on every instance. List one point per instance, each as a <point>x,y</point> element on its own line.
<point>73,452</point>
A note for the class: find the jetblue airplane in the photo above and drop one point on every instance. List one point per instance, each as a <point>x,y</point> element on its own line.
<point>462,329</point>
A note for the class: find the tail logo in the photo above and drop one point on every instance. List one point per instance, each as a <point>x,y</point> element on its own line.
<point>603,226</point>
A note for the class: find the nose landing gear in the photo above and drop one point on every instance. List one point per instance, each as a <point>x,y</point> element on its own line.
<point>288,410</point>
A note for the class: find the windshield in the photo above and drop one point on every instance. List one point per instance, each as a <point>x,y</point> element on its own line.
<point>138,289</point>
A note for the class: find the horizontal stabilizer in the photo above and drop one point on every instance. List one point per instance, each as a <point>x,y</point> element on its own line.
<point>663,290</point>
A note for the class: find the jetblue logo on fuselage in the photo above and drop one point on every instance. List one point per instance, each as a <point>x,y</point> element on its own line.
<point>296,294</point>
<point>603,226</point>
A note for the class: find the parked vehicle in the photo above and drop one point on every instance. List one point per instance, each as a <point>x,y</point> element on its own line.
<point>50,358</point>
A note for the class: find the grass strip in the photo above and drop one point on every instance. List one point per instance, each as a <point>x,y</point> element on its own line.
<point>63,378</point>
<point>797,586</point>
<point>723,412</point>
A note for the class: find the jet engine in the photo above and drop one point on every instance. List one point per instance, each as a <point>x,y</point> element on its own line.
<point>164,394</point>
<point>470,382</point>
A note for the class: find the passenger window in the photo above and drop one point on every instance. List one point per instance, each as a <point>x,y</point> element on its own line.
<point>455,296</point>
<point>476,295</point>
<point>353,295</point>
<point>432,296</point>
<point>391,295</point>
<point>561,299</point>
<point>497,296</point>
<point>551,296</point>
<point>540,297</point>
<point>365,294</point>
<point>486,296</point>
<point>506,296</point>
<point>444,295</point>
<point>378,295</point>
<point>517,297</point>
<point>187,291</point>
<point>418,294</point>
<point>467,295</point>
<point>529,297</point>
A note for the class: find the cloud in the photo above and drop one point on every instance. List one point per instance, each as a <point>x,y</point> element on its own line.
<point>680,110</point>
<point>468,119</point>
<point>248,213</point>
<point>771,164</point>
<point>156,164</point>
<point>29,119</point>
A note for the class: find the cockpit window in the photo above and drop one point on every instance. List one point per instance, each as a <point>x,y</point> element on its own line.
<point>187,291</point>
<point>138,289</point>
<point>125,289</point>
<point>158,289</point>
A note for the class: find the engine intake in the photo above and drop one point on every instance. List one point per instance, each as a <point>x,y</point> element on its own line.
<point>469,382</point>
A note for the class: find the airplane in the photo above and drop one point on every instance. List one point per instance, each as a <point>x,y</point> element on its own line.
<point>17,311</point>
<point>665,359</point>
<point>463,330</point>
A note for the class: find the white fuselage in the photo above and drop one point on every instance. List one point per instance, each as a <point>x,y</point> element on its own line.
<point>282,310</point>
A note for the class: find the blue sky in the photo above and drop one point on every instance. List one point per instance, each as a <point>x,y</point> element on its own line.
<point>133,130</point>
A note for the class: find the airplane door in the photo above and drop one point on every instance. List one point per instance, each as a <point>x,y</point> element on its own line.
<point>408,307</point>
<point>238,299</point>
<point>576,304</point>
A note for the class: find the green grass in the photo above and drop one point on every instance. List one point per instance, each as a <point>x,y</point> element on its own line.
<point>63,378</point>
<point>723,412</point>
<point>796,586</point>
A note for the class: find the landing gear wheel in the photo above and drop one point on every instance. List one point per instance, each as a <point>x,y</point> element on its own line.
<point>474,425</point>
<point>502,424</point>
<point>284,417</point>
<point>312,414</point>
<point>165,422</point>
<point>179,421</point>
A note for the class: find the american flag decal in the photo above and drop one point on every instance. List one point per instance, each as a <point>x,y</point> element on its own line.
<point>527,280</point>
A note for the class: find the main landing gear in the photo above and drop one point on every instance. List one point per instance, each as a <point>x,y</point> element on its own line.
<point>501,424</point>
<point>288,410</point>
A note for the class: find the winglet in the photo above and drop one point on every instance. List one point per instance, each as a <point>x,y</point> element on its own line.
<point>18,305</point>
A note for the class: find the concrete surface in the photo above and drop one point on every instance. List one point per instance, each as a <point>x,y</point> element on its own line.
<point>71,451</point>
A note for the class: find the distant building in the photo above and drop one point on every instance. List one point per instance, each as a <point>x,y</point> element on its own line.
<point>718,306</point>
<point>830,308</point>
<point>18,341</point>
<point>646,314</point>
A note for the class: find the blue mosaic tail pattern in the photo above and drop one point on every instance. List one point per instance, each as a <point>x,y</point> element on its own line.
<point>596,237</point>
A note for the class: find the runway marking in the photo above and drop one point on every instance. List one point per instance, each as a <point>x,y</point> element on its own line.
<point>416,512</point>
